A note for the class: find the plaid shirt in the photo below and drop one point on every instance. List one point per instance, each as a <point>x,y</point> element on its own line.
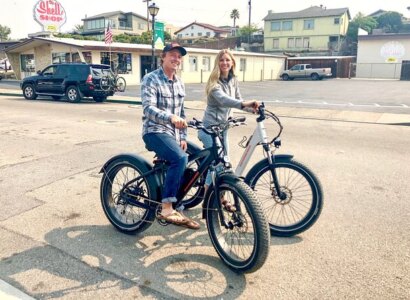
<point>162,98</point>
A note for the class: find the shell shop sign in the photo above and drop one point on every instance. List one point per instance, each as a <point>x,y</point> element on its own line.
<point>49,14</point>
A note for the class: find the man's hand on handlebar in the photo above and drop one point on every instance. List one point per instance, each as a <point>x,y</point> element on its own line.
<point>178,122</point>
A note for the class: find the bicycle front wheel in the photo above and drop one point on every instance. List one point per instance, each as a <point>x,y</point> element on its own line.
<point>301,200</point>
<point>243,244</point>
<point>119,203</point>
<point>121,84</point>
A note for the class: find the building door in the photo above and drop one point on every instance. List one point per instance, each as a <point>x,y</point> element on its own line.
<point>405,70</point>
<point>145,65</point>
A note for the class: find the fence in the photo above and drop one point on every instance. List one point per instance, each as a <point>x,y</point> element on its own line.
<point>379,70</point>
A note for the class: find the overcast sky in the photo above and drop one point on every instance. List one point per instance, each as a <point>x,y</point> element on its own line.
<point>18,14</point>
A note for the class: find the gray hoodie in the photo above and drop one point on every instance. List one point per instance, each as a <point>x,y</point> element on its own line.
<point>222,98</point>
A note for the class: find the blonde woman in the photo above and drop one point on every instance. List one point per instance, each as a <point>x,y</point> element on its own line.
<point>222,91</point>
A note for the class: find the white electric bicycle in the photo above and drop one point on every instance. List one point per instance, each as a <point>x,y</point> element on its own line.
<point>289,191</point>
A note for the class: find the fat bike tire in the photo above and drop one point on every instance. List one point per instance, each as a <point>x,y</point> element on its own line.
<point>302,204</point>
<point>244,245</point>
<point>124,216</point>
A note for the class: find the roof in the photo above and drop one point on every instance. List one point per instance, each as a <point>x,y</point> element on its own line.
<point>311,12</point>
<point>384,36</point>
<point>100,45</point>
<point>112,13</point>
<point>211,27</point>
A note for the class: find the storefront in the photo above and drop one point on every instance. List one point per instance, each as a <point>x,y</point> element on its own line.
<point>132,61</point>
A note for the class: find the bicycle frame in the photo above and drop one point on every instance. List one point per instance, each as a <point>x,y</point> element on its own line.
<point>258,137</point>
<point>209,158</point>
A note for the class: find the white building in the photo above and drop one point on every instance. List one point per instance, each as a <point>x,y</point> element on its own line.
<point>133,61</point>
<point>197,30</point>
<point>383,56</point>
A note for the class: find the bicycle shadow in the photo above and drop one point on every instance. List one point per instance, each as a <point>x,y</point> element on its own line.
<point>98,257</point>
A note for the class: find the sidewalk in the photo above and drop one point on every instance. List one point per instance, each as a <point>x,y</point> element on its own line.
<point>8,292</point>
<point>282,111</point>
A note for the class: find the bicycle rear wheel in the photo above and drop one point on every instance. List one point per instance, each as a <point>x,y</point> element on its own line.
<point>121,84</point>
<point>302,200</point>
<point>105,83</point>
<point>119,204</point>
<point>244,244</point>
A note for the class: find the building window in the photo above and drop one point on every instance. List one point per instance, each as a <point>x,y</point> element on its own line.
<point>287,25</point>
<point>95,24</point>
<point>276,43</point>
<point>141,26</point>
<point>336,21</point>
<point>274,26</point>
<point>206,63</point>
<point>308,24</point>
<point>208,34</point>
<point>199,33</point>
<point>179,35</point>
<point>120,62</point>
<point>193,63</point>
<point>27,62</point>
<point>298,42</point>
<point>60,57</point>
<point>242,65</point>
<point>291,43</point>
<point>306,42</point>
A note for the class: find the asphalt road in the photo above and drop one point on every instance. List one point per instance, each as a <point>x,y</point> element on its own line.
<point>338,94</point>
<point>57,243</point>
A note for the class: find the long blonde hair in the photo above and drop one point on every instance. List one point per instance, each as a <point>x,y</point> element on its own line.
<point>216,72</point>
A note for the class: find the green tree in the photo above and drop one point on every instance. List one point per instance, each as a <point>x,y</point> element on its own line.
<point>234,15</point>
<point>4,33</point>
<point>248,30</point>
<point>78,28</point>
<point>360,21</point>
<point>390,21</point>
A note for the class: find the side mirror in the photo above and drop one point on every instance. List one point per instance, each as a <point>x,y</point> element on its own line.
<point>39,72</point>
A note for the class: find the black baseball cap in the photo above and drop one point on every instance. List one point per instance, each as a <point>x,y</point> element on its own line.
<point>172,46</point>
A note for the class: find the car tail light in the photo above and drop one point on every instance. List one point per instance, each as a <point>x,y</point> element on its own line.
<point>89,79</point>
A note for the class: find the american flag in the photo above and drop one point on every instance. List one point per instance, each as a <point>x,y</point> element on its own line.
<point>108,34</point>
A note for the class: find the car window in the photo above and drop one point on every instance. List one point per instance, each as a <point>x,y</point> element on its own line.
<point>49,71</point>
<point>62,70</point>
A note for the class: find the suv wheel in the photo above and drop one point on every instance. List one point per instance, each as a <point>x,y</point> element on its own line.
<point>99,98</point>
<point>29,92</point>
<point>73,94</point>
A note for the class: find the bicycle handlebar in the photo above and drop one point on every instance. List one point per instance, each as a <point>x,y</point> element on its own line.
<point>214,129</point>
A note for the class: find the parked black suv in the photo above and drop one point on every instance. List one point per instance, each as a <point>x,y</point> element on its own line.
<point>73,80</point>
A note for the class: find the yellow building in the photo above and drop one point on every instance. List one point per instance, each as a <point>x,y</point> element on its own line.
<point>315,30</point>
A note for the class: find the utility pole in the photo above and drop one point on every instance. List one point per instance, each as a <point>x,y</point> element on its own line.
<point>249,23</point>
<point>148,1</point>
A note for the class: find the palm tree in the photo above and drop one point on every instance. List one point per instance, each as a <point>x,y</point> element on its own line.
<point>234,15</point>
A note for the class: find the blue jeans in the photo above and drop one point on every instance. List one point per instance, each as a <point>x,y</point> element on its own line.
<point>166,147</point>
<point>206,139</point>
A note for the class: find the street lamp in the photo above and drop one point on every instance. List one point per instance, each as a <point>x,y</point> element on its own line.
<point>153,10</point>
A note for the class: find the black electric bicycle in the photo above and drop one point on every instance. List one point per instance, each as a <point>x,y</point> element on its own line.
<point>290,193</point>
<point>131,193</point>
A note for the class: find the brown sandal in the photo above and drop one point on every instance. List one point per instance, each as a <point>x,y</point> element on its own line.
<point>174,218</point>
<point>191,224</point>
<point>228,206</point>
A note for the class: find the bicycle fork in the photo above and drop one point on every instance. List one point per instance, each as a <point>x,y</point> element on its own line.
<point>217,192</point>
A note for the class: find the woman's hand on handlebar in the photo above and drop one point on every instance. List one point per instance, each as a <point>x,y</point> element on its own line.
<point>251,104</point>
